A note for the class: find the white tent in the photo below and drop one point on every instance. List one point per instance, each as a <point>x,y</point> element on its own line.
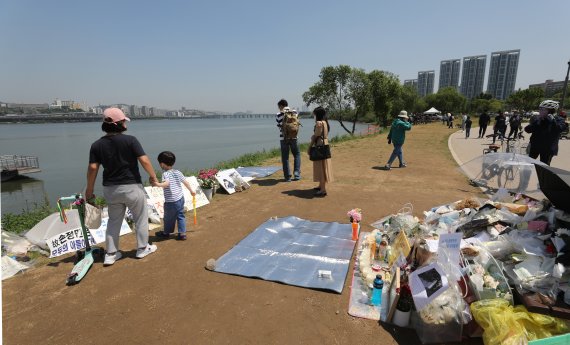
<point>432,110</point>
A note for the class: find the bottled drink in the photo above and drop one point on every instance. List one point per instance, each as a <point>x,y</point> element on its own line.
<point>354,231</point>
<point>378,284</point>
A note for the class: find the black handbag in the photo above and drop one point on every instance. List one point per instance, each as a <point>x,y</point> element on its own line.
<point>320,152</point>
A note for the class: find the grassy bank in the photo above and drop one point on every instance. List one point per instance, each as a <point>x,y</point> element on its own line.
<point>18,223</point>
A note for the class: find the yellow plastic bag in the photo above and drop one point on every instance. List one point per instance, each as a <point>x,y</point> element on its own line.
<point>504,324</point>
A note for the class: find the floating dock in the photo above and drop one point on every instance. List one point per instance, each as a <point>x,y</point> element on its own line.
<point>14,165</point>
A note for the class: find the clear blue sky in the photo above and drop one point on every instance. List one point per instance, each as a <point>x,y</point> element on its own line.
<point>229,55</point>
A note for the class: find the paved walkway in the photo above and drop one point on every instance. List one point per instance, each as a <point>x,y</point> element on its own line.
<point>464,150</point>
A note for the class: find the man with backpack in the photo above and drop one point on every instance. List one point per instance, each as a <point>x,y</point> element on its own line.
<point>288,123</point>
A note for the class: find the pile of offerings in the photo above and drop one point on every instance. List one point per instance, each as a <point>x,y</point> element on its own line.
<point>472,267</point>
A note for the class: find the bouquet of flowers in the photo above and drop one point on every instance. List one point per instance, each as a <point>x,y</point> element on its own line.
<point>207,178</point>
<point>406,301</point>
<point>355,215</point>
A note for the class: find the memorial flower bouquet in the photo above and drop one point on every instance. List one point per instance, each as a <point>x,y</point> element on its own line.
<point>207,178</point>
<point>355,215</point>
<point>406,301</point>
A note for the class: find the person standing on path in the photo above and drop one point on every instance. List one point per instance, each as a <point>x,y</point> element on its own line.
<point>545,132</point>
<point>288,142</point>
<point>463,119</point>
<point>119,154</point>
<point>397,136</point>
<point>322,170</point>
<point>172,181</point>
<point>468,123</point>
<point>483,122</point>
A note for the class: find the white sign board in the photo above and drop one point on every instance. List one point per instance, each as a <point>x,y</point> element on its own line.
<point>231,181</point>
<point>156,196</point>
<point>72,240</point>
<point>426,284</point>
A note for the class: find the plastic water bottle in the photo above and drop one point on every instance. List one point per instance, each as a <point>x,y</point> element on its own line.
<point>376,298</point>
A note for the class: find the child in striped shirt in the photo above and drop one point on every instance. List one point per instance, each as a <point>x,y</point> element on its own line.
<point>172,181</point>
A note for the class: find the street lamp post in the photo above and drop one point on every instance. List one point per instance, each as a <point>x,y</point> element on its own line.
<point>565,87</point>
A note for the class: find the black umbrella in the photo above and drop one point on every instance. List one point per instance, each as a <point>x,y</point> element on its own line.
<point>555,184</point>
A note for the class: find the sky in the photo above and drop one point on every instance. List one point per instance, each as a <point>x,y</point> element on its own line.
<point>233,56</point>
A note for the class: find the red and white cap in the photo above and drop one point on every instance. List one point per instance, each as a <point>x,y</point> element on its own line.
<point>115,114</point>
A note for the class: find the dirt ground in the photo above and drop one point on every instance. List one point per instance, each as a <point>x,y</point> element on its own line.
<point>170,298</point>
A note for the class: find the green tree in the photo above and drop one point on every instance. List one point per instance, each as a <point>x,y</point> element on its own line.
<point>385,88</point>
<point>344,91</point>
<point>447,99</point>
<point>525,100</point>
<point>410,100</point>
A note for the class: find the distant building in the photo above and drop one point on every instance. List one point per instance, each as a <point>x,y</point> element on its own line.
<point>449,73</point>
<point>135,111</point>
<point>503,73</point>
<point>425,82</point>
<point>411,82</point>
<point>550,87</point>
<point>473,75</point>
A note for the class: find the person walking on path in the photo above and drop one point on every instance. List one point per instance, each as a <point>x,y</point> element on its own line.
<point>463,119</point>
<point>468,123</point>
<point>515,123</point>
<point>483,122</point>
<point>545,132</point>
<point>119,154</point>
<point>450,121</point>
<point>500,126</point>
<point>322,170</point>
<point>288,140</point>
<point>397,136</point>
<point>172,181</point>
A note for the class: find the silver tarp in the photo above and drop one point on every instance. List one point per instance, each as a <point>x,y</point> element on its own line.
<point>293,251</point>
<point>257,172</point>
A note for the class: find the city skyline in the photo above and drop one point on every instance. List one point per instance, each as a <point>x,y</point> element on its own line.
<point>227,56</point>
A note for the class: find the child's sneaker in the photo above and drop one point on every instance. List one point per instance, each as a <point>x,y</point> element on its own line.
<point>111,258</point>
<point>181,237</point>
<point>149,249</point>
<point>161,234</point>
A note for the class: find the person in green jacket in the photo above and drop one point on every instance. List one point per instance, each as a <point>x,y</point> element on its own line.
<point>397,136</point>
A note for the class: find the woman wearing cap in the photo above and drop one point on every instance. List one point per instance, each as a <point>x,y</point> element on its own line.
<point>122,184</point>
<point>397,136</point>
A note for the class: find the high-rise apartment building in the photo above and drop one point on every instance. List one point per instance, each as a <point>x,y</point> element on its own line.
<point>411,82</point>
<point>425,82</point>
<point>503,73</point>
<point>449,73</point>
<point>473,75</point>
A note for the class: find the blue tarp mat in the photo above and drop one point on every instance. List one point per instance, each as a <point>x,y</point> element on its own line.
<point>293,251</point>
<point>257,172</point>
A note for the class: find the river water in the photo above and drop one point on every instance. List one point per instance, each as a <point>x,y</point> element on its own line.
<point>63,151</point>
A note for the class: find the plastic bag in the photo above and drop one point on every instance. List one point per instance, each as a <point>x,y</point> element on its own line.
<point>442,319</point>
<point>506,325</point>
<point>92,216</point>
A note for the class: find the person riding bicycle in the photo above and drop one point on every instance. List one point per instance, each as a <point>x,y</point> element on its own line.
<point>545,131</point>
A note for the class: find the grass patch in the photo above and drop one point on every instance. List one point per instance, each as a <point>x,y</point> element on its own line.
<point>18,223</point>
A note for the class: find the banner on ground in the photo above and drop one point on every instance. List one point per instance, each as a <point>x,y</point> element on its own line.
<point>72,240</point>
<point>156,196</point>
